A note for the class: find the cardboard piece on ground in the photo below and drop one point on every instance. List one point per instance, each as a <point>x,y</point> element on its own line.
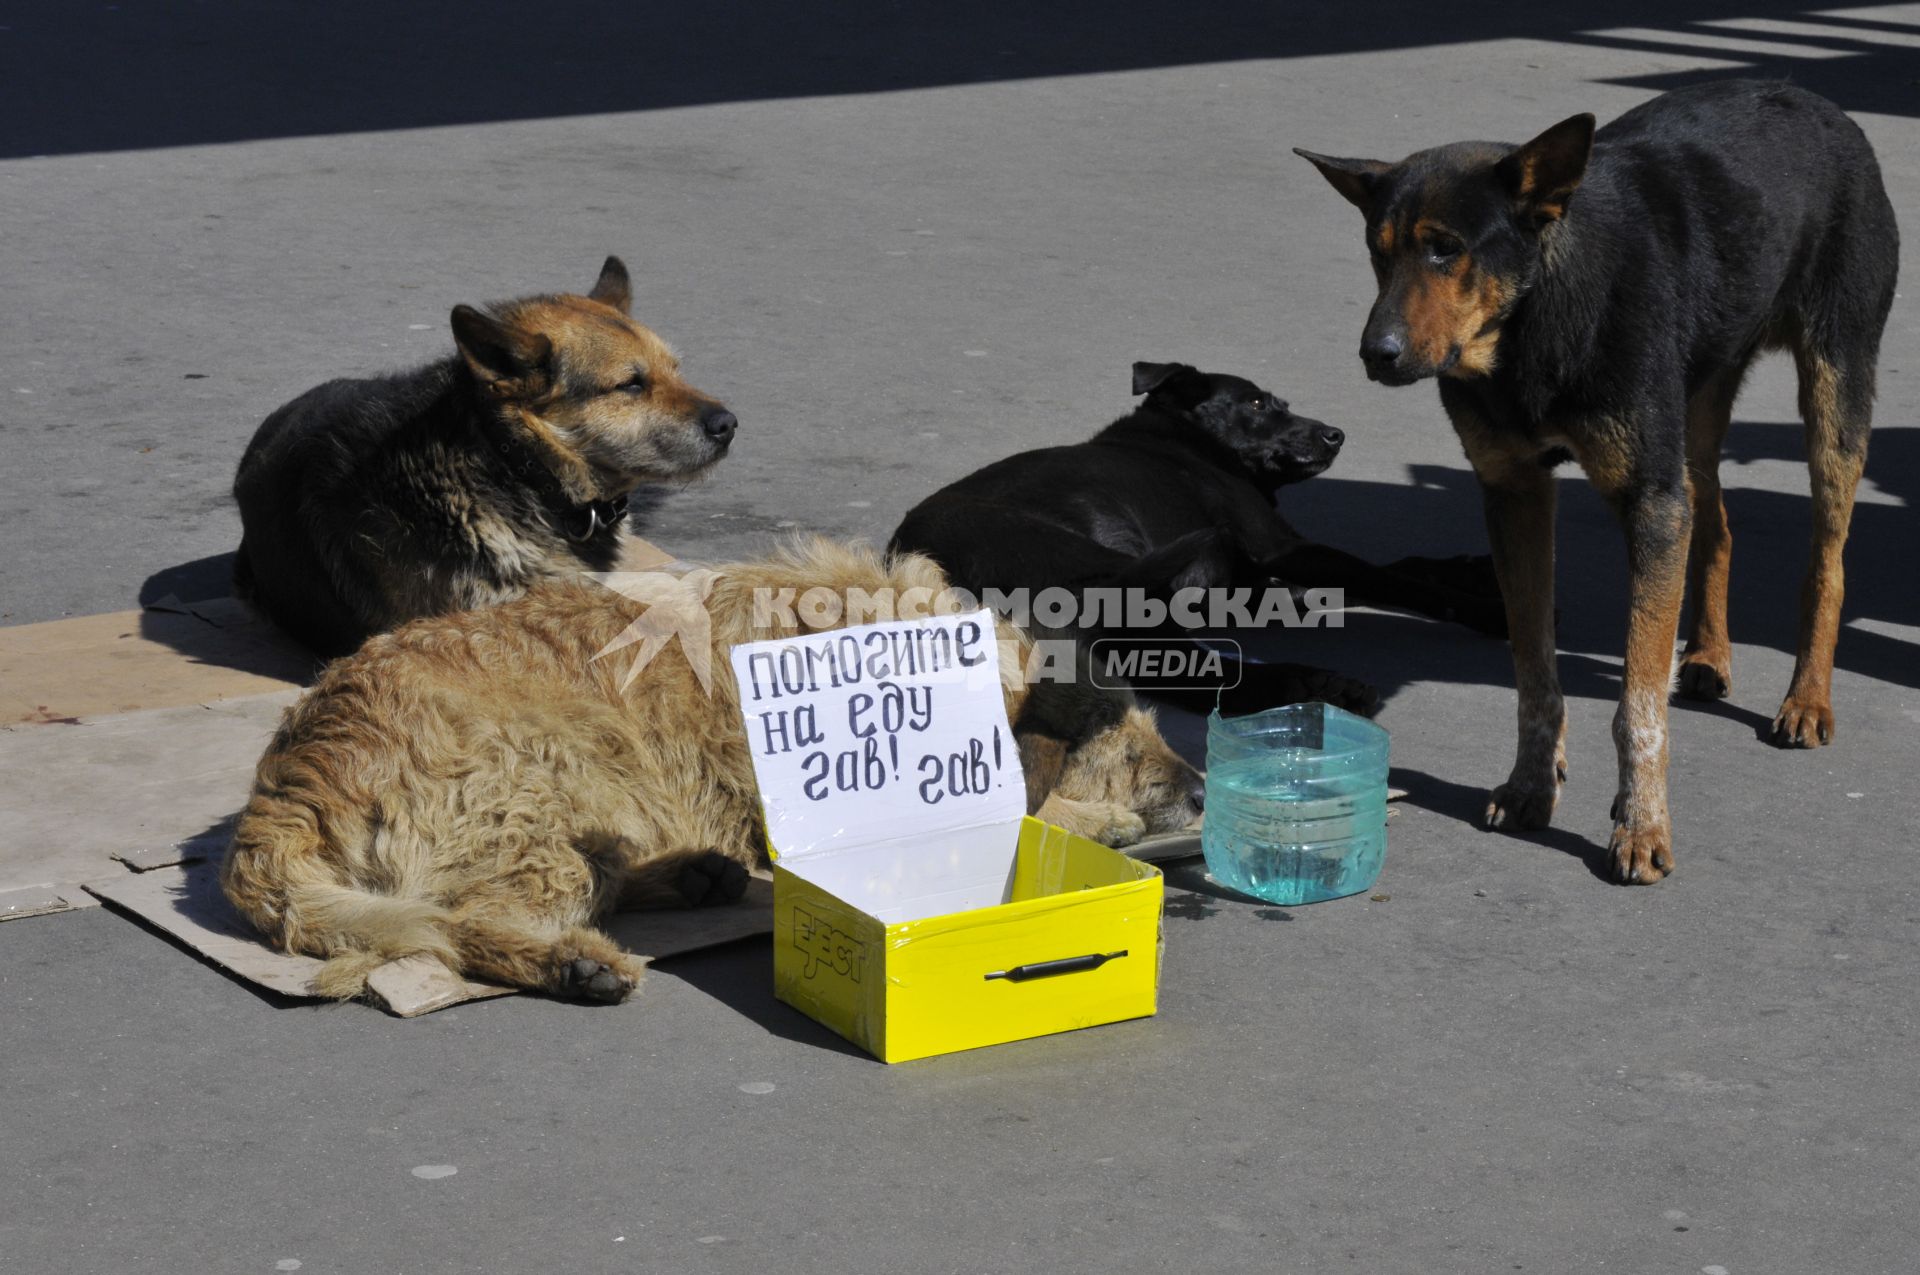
<point>170,654</point>
<point>37,900</point>
<point>185,901</point>
<point>1165,847</point>
<point>642,555</point>
<point>126,661</point>
<point>133,784</point>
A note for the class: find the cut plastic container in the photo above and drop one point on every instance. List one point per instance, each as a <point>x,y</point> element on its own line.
<point>1296,803</point>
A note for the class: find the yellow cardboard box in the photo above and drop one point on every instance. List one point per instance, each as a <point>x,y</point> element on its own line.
<point>918,910</point>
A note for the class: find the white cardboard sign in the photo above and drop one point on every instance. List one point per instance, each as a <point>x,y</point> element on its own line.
<point>879,732</point>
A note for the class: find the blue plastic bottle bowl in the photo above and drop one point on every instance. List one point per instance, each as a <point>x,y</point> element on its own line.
<point>1296,803</point>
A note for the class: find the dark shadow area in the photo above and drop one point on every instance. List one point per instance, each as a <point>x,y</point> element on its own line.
<point>196,581</point>
<point>189,608</point>
<point>740,976</point>
<point>140,74</point>
<point>1467,803</point>
<point>1868,74</point>
<point>1771,535</point>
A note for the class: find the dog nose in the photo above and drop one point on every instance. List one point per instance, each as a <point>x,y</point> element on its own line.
<point>1381,352</point>
<point>719,423</point>
<point>1331,436</point>
<point>1197,794</point>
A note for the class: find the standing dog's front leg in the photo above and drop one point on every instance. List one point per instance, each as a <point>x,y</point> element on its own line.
<point>1658,522</point>
<point>1519,500</point>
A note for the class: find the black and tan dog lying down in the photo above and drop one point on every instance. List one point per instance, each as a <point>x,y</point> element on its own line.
<point>1182,492</point>
<point>481,787</point>
<point>370,502</point>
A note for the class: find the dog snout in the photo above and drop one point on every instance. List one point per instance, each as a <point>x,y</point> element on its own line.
<point>1381,352</point>
<point>1196,794</point>
<point>719,424</point>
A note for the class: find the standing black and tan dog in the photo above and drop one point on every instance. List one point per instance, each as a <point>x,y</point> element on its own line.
<point>368,503</point>
<point>1599,297</point>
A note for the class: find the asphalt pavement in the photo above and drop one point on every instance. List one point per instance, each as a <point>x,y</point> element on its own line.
<point>900,241</point>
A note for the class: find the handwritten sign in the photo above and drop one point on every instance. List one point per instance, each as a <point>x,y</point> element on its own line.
<point>879,731</point>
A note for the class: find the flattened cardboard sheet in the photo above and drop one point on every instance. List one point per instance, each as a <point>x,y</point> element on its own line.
<point>142,787</point>
<point>185,901</point>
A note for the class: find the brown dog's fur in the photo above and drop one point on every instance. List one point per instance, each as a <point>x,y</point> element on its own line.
<point>480,787</point>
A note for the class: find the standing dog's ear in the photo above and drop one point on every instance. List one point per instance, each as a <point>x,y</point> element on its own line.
<point>1353,178</point>
<point>1542,175</point>
<point>612,287</point>
<point>506,360</point>
<point>1148,377</point>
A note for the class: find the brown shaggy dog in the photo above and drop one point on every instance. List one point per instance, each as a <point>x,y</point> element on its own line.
<point>480,787</point>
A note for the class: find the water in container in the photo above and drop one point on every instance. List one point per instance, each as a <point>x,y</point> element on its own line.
<point>1296,803</point>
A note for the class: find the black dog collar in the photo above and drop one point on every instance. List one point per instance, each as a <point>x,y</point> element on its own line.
<point>584,522</point>
<point>576,522</point>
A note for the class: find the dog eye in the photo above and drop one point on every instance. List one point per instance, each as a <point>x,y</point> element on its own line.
<point>635,384</point>
<point>1258,405</point>
<point>1443,248</point>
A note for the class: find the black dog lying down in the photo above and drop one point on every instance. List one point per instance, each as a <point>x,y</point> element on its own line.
<point>1181,493</point>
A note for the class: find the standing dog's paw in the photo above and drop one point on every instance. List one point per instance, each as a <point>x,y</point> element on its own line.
<point>1640,856</point>
<point>589,980</point>
<point>710,878</point>
<point>1705,678</point>
<point>1800,724</point>
<point>1514,807</point>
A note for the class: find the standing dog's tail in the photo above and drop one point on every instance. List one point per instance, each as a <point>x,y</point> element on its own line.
<point>285,875</point>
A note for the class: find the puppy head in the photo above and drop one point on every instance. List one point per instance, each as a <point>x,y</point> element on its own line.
<point>1253,424</point>
<point>587,380</point>
<point>1457,235</point>
<point>1093,744</point>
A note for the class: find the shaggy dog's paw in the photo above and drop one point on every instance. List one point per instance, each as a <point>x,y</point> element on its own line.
<point>711,878</point>
<point>589,980</point>
<point>1122,828</point>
